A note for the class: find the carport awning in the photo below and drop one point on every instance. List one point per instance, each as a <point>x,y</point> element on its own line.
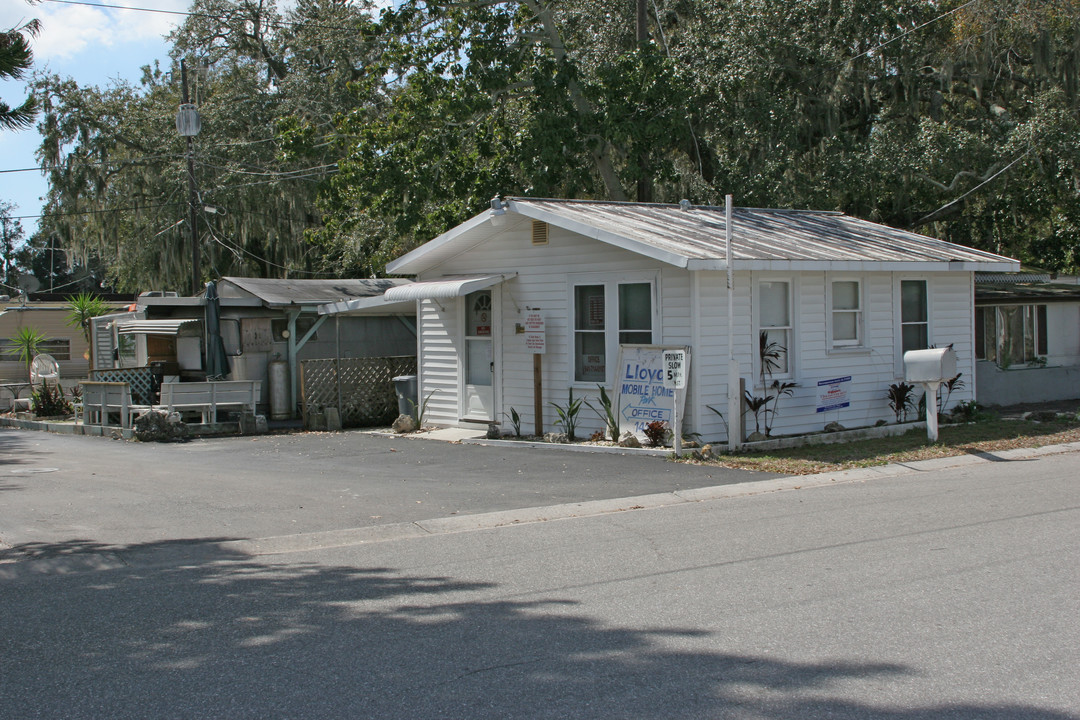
<point>448,287</point>
<point>154,327</point>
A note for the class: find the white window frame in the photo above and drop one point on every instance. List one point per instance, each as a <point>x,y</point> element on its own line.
<point>793,322</point>
<point>1036,322</point>
<point>611,283</point>
<point>899,315</point>
<point>860,343</point>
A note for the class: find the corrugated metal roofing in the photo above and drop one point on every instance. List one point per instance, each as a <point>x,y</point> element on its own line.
<point>698,233</point>
<point>306,292</point>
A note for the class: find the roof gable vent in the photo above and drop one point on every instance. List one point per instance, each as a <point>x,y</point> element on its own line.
<point>539,232</point>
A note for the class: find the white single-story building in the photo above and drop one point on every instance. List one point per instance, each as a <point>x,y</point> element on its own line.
<point>840,299</point>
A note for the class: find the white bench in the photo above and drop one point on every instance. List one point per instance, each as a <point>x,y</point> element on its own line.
<point>101,399</point>
<point>207,397</point>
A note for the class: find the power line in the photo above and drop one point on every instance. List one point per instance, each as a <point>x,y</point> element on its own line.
<point>92,212</point>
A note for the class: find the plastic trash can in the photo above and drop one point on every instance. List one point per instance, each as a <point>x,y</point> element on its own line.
<point>405,387</point>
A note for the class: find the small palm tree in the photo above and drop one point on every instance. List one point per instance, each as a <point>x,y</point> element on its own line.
<point>26,343</point>
<point>83,308</point>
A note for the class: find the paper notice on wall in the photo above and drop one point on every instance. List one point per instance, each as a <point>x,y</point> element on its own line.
<point>833,393</point>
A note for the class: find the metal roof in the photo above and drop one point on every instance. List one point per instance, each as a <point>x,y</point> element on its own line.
<point>1025,293</point>
<point>274,292</point>
<point>694,237</point>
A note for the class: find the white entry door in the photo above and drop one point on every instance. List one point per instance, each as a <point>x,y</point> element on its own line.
<point>478,396</point>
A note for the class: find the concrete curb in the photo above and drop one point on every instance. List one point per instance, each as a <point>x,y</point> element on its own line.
<point>73,428</point>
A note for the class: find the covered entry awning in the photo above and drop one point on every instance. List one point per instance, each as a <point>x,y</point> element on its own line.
<point>402,298</point>
<point>444,288</point>
<point>154,327</point>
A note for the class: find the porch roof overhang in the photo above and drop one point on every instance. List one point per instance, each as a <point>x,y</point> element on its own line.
<point>402,298</point>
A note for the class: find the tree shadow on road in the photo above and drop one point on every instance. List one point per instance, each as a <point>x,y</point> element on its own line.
<point>200,629</point>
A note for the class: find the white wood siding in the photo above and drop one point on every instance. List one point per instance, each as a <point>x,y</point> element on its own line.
<point>545,275</point>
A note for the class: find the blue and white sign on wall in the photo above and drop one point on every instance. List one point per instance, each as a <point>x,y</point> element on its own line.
<point>640,377</point>
<point>833,394</point>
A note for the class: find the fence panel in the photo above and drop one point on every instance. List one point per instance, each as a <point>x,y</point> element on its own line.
<point>367,388</point>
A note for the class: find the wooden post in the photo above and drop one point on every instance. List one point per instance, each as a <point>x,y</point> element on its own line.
<point>538,393</point>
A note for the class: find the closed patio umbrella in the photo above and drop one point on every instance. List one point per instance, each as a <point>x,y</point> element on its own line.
<point>217,362</point>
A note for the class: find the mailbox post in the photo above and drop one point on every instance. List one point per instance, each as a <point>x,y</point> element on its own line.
<point>930,368</point>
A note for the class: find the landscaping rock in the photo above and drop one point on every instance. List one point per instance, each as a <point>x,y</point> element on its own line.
<point>1043,416</point>
<point>556,437</point>
<point>705,453</point>
<point>494,432</point>
<point>160,426</point>
<point>629,440</point>
<point>404,424</point>
<point>834,427</point>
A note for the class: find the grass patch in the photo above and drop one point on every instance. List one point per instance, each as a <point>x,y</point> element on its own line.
<point>990,436</point>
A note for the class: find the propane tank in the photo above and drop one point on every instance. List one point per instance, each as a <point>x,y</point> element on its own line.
<point>279,389</point>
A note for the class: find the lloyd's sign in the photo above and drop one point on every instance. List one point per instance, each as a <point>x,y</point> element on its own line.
<point>640,379</point>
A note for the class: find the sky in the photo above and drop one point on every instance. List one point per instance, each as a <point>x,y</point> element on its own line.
<point>91,45</point>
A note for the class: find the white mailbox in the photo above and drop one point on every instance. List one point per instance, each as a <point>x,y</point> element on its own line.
<point>930,366</point>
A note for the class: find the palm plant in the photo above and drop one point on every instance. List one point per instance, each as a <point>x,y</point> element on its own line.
<point>25,344</point>
<point>900,400</point>
<point>83,308</point>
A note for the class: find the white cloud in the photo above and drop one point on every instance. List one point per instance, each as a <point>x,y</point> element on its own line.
<point>67,30</point>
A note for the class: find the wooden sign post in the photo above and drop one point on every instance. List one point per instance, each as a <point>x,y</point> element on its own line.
<point>536,342</point>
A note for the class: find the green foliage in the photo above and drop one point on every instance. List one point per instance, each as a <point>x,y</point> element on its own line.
<point>515,421</point>
<point>568,415</point>
<point>970,411</point>
<point>25,344</point>
<point>334,139</point>
<point>84,307</point>
<point>900,400</point>
<point>950,386</point>
<point>607,414</point>
<point>16,57</point>
<point>419,410</point>
<point>656,433</point>
<point>49,401</point>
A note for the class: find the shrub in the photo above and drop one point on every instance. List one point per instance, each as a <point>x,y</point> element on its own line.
<point>900,399</point>
<point>607,414</point>
<point>49,401</point>
<point>568,415</point>
<point>656,432</point>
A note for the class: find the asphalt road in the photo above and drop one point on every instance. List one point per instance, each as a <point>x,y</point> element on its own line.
<point>947,593</point>
<point>58,488</point>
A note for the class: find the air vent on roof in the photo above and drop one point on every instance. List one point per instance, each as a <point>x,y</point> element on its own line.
<point>539,232</point>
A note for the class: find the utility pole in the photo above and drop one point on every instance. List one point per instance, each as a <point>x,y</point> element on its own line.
<point>644,183</point>
<point>188,125</point>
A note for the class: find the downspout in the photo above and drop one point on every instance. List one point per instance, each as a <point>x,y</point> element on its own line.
<point>695,347</point>
<point>735,433</point>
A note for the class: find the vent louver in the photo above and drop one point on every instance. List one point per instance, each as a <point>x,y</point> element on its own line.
<point>539,232</point>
